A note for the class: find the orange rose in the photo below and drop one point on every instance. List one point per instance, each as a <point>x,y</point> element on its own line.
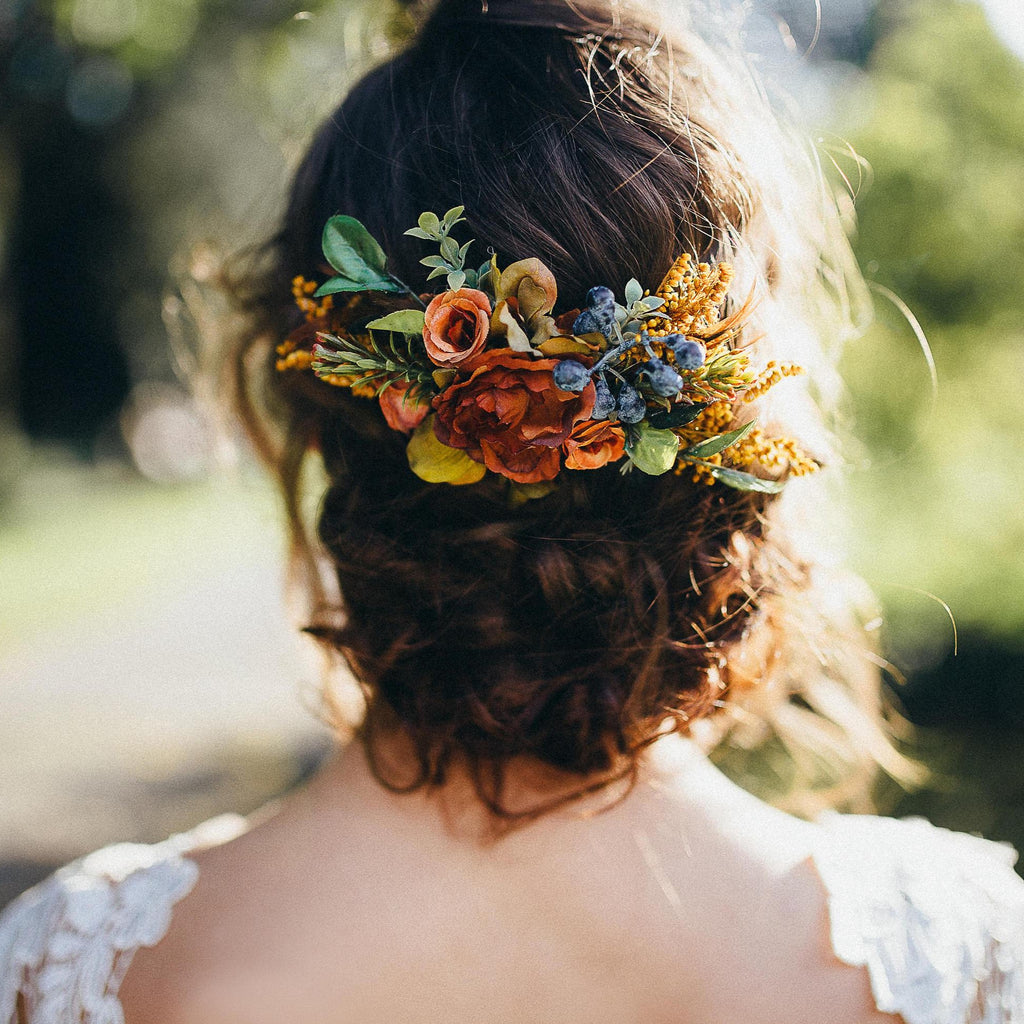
<point>510,416</point>
<point>456,325</point>
<point>593,444</point>
<point>403,412</point>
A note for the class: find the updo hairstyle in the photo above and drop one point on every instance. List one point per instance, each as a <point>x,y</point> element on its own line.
<point>577,628</point>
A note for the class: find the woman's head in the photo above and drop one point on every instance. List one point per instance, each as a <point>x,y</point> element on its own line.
<point>578,627</point>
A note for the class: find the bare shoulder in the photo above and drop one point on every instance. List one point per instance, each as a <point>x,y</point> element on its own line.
<point>689,904</point>
<point>197,971</point>
<point>754,905</point>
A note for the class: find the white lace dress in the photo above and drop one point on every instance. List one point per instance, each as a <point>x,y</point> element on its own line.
<point>936,917</point>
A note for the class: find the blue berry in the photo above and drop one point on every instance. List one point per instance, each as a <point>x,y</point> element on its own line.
<point>664,381</point>
<point>690,355</point>
<point>631,406</point>
<point>604,400</point>
<point>595,321</point>
<point>601,298</point>
<point>570,375</point>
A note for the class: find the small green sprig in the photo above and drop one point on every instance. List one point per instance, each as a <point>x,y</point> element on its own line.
<point>389,362</point>
<point>638,309</point>
<point>452,260</point>
<point>722,377</point>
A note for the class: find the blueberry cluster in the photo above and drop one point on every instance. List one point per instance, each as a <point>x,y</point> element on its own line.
<point>620,398</point>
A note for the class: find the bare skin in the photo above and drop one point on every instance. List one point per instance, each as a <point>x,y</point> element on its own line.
<point>688,903</point>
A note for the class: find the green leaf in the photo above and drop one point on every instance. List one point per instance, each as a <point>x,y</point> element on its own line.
<point>654,451</point>
<point>437,272</point>
<point>464,251</point>
<point>677,416</point>
<point>651,303</point>
<point>352,250</point>
<point>333,285</point>
<point>435,261</point>
<point>450,249</point>
<point>634,293</point>
<point>452,217</point>
<point>714,445</point>
<point>456,280</point>
<point>402,321</point>
<point>420,233</point>
<point>742,481</point>
<point>429,224</point>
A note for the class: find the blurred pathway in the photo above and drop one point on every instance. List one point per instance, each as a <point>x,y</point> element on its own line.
<point>186,695</point>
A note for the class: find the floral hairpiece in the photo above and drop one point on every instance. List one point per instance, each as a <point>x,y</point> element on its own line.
<point>484,377</point>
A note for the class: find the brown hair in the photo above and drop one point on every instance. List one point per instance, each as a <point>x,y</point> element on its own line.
<point>577,628</point>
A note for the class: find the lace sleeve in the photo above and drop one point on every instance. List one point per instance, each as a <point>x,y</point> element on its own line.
<point>66,944</point>
<point>936,917</point>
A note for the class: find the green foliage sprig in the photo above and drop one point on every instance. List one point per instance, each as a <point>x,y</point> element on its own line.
<point>395,357</point>
<point>359,260</point>
<point>452,258</point>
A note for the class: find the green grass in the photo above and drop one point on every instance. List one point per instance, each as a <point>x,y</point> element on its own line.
<point>77,542</point>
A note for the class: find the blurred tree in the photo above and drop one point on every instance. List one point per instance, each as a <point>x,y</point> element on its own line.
<point>129,127</point>
<point>64,239</point>
<point>942,226</point>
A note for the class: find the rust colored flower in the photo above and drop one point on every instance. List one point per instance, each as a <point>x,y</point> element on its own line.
<point>510,416</point>
<point>593,444</point>
<point>456,326</point>
<point>403,411</point>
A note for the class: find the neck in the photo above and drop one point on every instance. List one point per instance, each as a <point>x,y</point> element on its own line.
<point>531,790</point>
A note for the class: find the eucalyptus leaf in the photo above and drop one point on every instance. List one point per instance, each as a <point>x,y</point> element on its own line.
<point>435,261</point>
<point>464,251</point>
<point>714,445</point>
<point>352,250</point>
<point>677,416</point>
<point>429,224</point>
<point>453,216</point>
<point>402,321</point>
<point>456,280</point>
<point>437,272</point>
<point>653,451</point>
<point>450,249</point>
<point>420,233</point>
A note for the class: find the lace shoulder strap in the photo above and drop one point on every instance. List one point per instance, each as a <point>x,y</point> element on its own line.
<point>66,944</point>
<point>936,917</point>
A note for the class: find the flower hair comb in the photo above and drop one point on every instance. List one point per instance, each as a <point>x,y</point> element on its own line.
<point>486,378</point>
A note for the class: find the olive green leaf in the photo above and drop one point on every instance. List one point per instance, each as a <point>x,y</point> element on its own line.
<point>653,451</point>
<point>678,416</point>
<point>714,445</point>
<point>741,481</point>
<point>402,321</point>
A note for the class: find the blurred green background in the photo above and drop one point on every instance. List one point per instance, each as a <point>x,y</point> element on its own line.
<point>148,675</point>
